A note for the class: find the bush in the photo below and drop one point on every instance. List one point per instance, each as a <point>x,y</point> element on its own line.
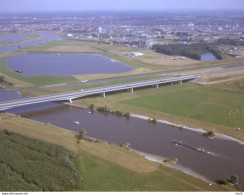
<point>125,145</point>
<point>234,179</point>
<point>118,113</point>
<point>209,134</point>
<point>103,109</point>
<point>127,115</point>
<point>153,120</point>
<point>222,181</point>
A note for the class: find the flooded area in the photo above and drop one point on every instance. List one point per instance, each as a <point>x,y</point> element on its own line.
<point>45,38</point>
<point>208,57</point>
<point>222,158</point>
<point>12,38</point>
<point>65,64</point>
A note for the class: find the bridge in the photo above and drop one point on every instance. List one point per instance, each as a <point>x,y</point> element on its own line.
<point>69,96</point>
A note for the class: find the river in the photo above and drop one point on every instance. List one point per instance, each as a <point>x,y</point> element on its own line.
<point>224,157</point>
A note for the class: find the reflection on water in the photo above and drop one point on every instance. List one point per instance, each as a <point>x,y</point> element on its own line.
<point>208,57</point>
<point>223,158</point>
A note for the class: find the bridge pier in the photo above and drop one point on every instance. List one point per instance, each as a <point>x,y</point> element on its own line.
<point>103,94</point>
<point>131,90</point>
<point>180,82</point>
<point>70,100</point>
<point>156,86</point>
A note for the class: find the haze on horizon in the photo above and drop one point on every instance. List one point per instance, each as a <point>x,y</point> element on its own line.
<point>13,6</point>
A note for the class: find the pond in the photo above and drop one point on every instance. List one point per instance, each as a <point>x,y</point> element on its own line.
<point>65,64</point>
<point>12,38</point>
<point>208,57</point>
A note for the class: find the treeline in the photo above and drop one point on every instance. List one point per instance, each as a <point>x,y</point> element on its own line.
<point>228,41</point>
<point>28,164</point>
<point>193,51</point>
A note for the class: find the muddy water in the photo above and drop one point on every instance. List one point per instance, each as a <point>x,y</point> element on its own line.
<point>223,159</point>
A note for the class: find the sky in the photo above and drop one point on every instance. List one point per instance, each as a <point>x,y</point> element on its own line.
<point>117,5</point>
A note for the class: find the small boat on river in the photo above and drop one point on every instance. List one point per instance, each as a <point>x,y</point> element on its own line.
<point>181,143</point>
<point>19,71</point>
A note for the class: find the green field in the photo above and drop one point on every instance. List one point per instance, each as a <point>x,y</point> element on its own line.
<point>27,164</point>
<point>100,175</point>
<point>204,104</point>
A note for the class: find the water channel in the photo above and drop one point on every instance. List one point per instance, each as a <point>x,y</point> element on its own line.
<point>225,157</point>
<point>12,38</point>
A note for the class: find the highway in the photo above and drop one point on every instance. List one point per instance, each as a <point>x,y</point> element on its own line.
<point>93,91</point>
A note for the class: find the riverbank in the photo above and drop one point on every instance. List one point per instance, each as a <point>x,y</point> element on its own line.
<point>177,166</point>
<point>199,130</point>
<point>122,167</point>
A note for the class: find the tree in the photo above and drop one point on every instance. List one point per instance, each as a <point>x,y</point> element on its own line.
<point>81,134</point>
<point>92,107</point>
<point>1,79</point>
<point>234,179</point>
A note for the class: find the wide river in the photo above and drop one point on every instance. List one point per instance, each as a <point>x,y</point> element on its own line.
<point>224,157</point>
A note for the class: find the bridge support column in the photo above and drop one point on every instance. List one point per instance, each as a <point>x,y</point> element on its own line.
<point>156,86</point>
<point>180,82</point>
<point>131,90</point>
<point>103,94</point>
<point>70,100</point>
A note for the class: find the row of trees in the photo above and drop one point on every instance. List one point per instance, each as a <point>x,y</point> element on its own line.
<point>229,41</point>
<point>29,164</point>
<point>2,80</point>
<point>193,51</point>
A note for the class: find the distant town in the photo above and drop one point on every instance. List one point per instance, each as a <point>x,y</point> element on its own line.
<point>138,31</point>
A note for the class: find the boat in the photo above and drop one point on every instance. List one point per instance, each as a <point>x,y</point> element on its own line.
<point>181,143</point>
<point>199,149</point>
<point>19,71</point>
<point>84,81</point>
<point>89,112</point>
<point>112,60</point>
<point>76,122</point>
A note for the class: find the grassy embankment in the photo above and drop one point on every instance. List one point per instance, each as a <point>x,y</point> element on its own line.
<point>188,104</point>
<point>110,168</point>
<point>53,90</point>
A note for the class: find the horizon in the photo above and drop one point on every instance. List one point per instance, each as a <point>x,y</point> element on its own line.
<point>30,6</point>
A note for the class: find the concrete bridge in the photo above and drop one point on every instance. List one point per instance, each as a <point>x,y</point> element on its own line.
<point>69,96</point>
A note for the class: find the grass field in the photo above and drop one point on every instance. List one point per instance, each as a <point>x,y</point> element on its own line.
<point>199,103</point>
<point>110,168</point>
<point>236,85</point>
<point>29,164</point>
<point>187,104</point>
